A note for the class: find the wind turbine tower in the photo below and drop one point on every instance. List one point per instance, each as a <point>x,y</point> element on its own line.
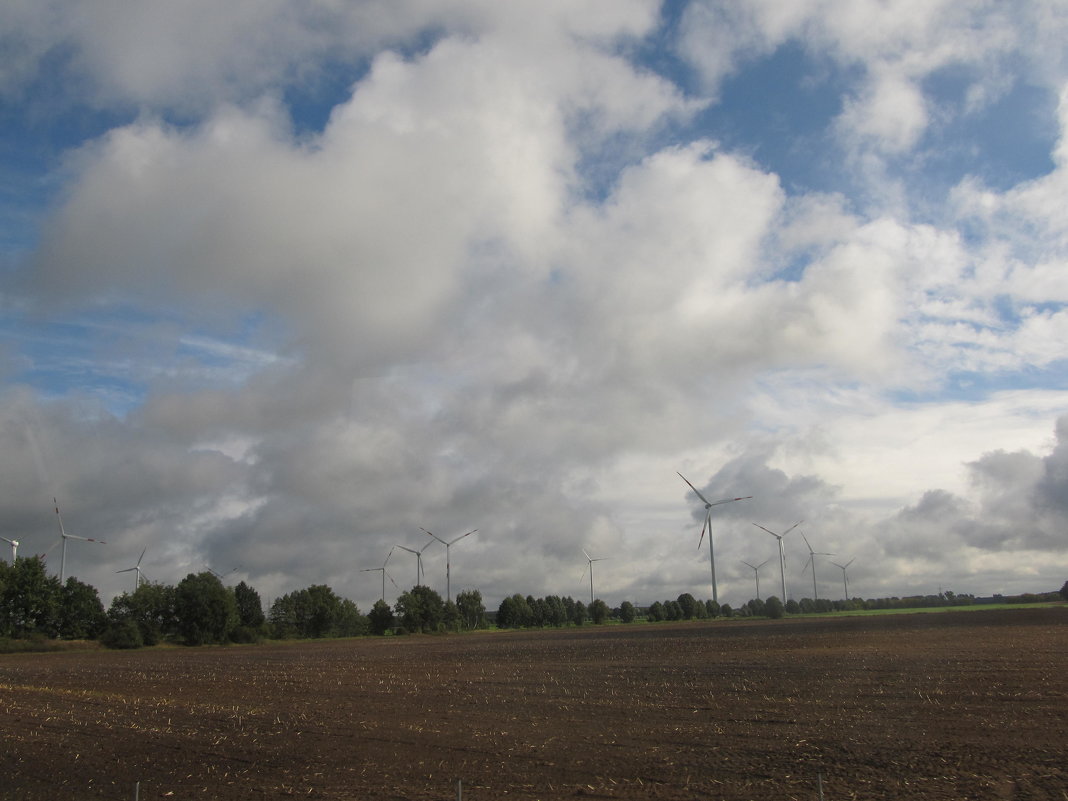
<point>14,548</point>
<point>708,526</point>
<point>845,581</point>
<point>64,536</point>
<point>782,553</point>
<point>812,563</point>
<point>591,561</point>
<point>448,568</point>
<point>756,574</point>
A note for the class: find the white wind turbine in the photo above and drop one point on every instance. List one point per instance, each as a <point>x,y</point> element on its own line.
<point>782,552</point>
<point>756,573</point>
<point>418,560</point>
<point>591,561</point>
<point>64,536</point>
<point>845,581</point>
<point>14,548</point>
<point>448,568</point>
<point>140,576</point>
<point>708,526</point>
<point>812,563</point>
<point>384,574</point>
<point>221,576</point>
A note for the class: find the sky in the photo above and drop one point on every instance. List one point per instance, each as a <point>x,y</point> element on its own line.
<point>284,283</point>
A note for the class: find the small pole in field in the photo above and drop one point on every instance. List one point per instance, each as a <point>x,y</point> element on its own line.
<point>137,790</point>
<point>459,790</point>
<point>819,784</point>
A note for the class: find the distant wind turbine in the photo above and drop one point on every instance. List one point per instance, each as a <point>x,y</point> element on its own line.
<point>708,526</point>
<point>782,552</point>
<point>448,569</point>
<point>139,577</point>
<point>812,563</point>
<point>756,573</point>
<point>14,548</point>
<point>384,574</point>
<point>591,561</point>
<point>64,536</point>
<point>845,581</point>
<point>418,561</point>
<point>222,576</point>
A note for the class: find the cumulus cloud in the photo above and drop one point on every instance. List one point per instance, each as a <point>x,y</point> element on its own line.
<point>428,311</point>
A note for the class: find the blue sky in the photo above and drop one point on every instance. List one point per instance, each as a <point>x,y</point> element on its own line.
<point>285,283</point>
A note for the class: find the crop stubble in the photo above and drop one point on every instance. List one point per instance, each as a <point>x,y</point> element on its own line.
<point>935,706</point>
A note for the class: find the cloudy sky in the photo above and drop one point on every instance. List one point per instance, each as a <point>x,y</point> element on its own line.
<point>282,283</point>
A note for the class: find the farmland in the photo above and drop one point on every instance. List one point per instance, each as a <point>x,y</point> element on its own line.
<point>937,706</point>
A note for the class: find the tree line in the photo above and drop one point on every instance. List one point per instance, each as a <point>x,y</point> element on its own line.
<point>201,610</point>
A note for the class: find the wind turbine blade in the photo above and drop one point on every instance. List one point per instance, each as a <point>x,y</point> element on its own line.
<point>586,554</point>
<point>127,570</point>
<point>751,567</point>
<point>390,578</point>
<point>772,533</point>
<point>142,556</point>
<point>728,500</point>
<point>806,541</point>
<point>762,564</point>
<point>468,534</point>
<point>387,558</point>
<point>431,534</point>
<point>699,495</point>
<point>703,527</point>
<point>795,525</point>
<point>847,564</point>
<point>409,550</point>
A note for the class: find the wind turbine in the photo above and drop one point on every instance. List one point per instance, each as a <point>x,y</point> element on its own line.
<point>448,569</point>
<point>221,576</point>
<point>845,581</point>
<point>418,560</point>
<point>782,552</point>
<point>64,536</point>
<point>591,561</point>
<point>139,577</point>
<point>756,573</point>
<point>14,548</point>
<point>812,563</point>
<point>708,525</point>
<point>384,574</point>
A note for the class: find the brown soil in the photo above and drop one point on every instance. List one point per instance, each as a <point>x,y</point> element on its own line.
<point>962,705</point>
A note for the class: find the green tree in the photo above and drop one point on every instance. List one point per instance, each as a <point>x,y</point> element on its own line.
<point>626,612</point>
<point>712,608</point>
<point>688,604</point>
<point>350,623</point>
<point>205,610</point>
<point>380,618</point>
<point>1064,591</point>
<point>150,607</point>
<point>773,608</point>
<point>29,599</point>
<point>420,609</point>
<point>249,606</point>
<point>81,615</point>
<point>579,615</point>
<point>471,609</point>
<point>655,612</point>
<point>598,611</point>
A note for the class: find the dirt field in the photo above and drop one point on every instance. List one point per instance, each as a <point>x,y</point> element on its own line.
<point>969,705</point>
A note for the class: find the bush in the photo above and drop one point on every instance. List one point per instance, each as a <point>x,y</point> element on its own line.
<point>122,634</point>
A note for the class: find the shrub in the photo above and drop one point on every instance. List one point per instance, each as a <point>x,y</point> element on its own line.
<point>122,634</point>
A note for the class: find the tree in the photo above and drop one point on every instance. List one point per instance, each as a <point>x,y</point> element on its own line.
<point>1064,591</point>
<point>205,610</point>
<point>380,618</point>
<point>688,605</point>
<point>421,609</point>
<point>81,615</point>
<point>773,608</point>
<point>598,611</point>
<point>579,616</point>
<point>249,607</point>
<point>150,607</point>
<point>655,612</point>
<point>350,623</point>
<point>626,612</point>
<point>29,599</point>
<point>471,609</point>
<point>712,608</point>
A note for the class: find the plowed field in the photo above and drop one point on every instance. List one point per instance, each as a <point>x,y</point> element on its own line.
<point>962,705</point>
